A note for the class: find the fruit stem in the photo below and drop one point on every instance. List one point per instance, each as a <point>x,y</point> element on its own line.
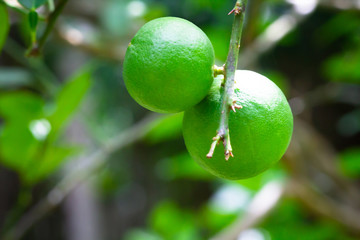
<point>218,70</point>
<point>228,100</point>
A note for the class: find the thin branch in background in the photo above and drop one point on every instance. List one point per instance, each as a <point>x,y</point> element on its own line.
<point>325,206</point>
<point>341,4</point>
<point>316,180</point>
<point>261,205</point>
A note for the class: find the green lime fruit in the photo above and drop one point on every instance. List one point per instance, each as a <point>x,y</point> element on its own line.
<point>168,65</point>
<point>260,132</point>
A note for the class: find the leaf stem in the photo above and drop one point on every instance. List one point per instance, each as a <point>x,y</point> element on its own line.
<point>228,101</point>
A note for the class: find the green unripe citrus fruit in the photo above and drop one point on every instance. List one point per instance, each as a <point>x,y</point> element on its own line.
<point>260,132</point>
<point>168,65</point>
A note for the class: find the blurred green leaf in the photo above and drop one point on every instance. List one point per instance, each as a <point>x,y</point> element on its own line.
<point>181,166</point>
<point>289,219</point>
<point>111,179</point>
<point>18,146</point>
<point>155,11</point>
<point>280,80</point>
<point>350,162</point>
<point>344,67</point>
<point>32,4</point>
<point>341,24</point>
<point>219,37</point>
<point>14,77</point>
<point>47,162</point>
<point>33,20</point>
<point>70,97</point>
<point>257,182</point>
<point>171,222</point>
<point>215,221</point>
<point>166,128</point>
<point>21,106</point>
<point>201,4</point>
<point>4,26</point>
<point>17,142</point>
<point>24,145</point>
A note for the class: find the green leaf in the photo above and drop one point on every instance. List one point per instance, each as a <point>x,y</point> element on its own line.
<point>342,24</point>
<point>166,128</point>
<point>280,80</point>
<point>289,219</point>
<point>4,26</point>
<point>18,146</point>
<point>21,106</point>
<point>31,158</point>
<point>182,166</point>
<point>344,67</point>
<point>256,183</point>
<point>70,97</point>
<point>24,140</point>
<point>32,4</point>
<point>51,159</point>
<point>213,220</point>
<point>172,222</point>
<point>350,162</point>
<point>219,37</point>
<point>33,20</point>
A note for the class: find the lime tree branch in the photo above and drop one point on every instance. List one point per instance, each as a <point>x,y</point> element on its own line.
<point>36,49</point>
<point>265,200</point>
<point>228,102</point>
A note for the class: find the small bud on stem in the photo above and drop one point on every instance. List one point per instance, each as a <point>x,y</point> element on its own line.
<point>218,70</point>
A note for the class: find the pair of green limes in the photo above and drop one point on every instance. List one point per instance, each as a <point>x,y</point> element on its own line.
<point>168,68</point>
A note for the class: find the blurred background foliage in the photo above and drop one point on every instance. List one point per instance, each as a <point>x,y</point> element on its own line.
<point>80,160</point>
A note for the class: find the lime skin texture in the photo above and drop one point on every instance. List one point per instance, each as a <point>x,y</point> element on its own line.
<point>260,132</point>
<point>168,65</point>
